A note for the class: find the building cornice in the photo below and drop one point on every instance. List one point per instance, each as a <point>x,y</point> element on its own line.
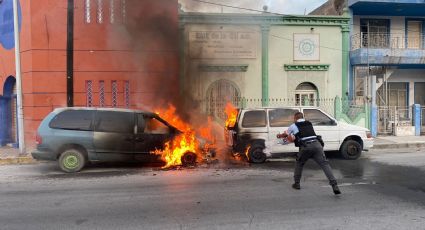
<point>223,68</point>
<point>263,19</point>
<point>323,67</point>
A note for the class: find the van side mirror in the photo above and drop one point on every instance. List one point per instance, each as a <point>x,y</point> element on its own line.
<point>333,122</point>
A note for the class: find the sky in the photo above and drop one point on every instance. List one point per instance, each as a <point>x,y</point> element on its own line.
<point>275,6</point>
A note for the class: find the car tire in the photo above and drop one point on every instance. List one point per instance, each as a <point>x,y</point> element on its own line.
<point>189,159</point>
<point>72,160</point>
<point>256,154</point>
<point>351,150</point>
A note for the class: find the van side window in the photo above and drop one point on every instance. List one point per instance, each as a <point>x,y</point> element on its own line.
<point>154,126</point>
<point>73,120</point>
<point>316,117</point>
<point>281,117</point>
<point>114,122</point>
<point>256,118</point>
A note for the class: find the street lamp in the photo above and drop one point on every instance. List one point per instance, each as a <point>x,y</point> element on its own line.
<point>21,134</point>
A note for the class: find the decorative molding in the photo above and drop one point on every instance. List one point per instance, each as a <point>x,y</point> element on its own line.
<point>324,67</point>
<point>223,68</point>
<point>263,19</point>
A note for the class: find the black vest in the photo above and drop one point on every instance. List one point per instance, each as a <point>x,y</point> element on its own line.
<point>305,129</point>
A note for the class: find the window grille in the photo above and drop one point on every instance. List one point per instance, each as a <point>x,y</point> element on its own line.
<point>89,93</point>
<point>124,10</point>
<point>114,93</point>
<point>100,12</point>
<point>102,93</point>
<point>112,11</point>
<point>87,10</point>
<point>127,94</point>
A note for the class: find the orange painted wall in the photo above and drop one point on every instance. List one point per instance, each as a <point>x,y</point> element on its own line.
<point>143,51</point>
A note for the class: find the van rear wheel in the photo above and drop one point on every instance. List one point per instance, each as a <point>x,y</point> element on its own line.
<point>256,154</point>
<point>72,160</point>
<point>351,150</point>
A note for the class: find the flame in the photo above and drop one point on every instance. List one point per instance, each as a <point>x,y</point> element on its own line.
<point>247,151</point>
<point>182,143</point>
<point>231,113</point>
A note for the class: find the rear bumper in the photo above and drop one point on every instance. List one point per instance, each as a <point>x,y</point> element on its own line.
<point>44,155</point>
<point>367,144</point>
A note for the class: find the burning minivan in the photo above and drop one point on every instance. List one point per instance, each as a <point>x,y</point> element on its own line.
<point>76,136</point>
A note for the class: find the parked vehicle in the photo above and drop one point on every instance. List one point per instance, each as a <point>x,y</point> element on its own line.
<point>76,136</point>
<point>255,130</point>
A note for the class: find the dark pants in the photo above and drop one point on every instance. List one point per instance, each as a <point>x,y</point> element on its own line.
<point>313,150</point>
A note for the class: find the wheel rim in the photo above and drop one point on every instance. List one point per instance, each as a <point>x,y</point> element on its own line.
<point>352,150</point>
<point>71,162</point>
<point>257,155</point>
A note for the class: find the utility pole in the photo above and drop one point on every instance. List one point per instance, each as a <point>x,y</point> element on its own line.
<point>21,130</point>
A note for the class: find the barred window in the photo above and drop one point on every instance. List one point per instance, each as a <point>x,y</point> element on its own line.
<point>102,93</point>
<point>87,10</point>
<point>127,94</point>
<point>124,10</point>
<point>114,93</point>
<point>89,93</point>
<point>112,11</point>
<point>100,12</point>
<point>117,10</point>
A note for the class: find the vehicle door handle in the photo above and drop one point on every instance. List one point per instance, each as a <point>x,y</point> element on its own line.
<point>128,139</point>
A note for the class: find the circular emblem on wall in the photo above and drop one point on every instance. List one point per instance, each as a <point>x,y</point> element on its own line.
<point>307,47</point>
<point>7,39</point>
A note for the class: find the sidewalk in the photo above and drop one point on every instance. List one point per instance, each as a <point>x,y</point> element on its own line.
<point>393,142</point>
<point>10,155</point>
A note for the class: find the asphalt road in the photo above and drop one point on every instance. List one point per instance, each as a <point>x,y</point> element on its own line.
<point>382,190</point>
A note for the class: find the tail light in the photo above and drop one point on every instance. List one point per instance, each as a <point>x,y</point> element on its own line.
<point>368,134</point>
<point>38,139</point>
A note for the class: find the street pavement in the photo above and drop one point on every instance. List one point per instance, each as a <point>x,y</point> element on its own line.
<point>382,190</point>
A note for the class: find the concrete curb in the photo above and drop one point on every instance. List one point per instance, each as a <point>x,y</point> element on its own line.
<point>399,145</point>
<point>17,160</point>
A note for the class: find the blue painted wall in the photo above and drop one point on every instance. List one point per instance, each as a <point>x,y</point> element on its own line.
<point>7,40</point>
<point>5,112</point>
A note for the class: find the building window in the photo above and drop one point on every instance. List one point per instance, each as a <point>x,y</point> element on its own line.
<point>219,94</point>
<point>114,93</point>
<point>100,12</point>
<point>124,10</point>
<point>87,10</point>
<point>89,93</point>
<point>112,11</point>
<point>415,36</point>
<point>102,93</point>
<point>305,94</point>
<point>127,94</point>
<point>360,81</point>
<point>375,33</point>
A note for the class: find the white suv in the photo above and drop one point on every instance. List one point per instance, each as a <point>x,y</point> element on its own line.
<point>255,130</point>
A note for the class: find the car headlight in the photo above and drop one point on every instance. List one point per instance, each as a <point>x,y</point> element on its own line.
<point>368,134</point>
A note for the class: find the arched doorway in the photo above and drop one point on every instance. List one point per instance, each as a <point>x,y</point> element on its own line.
<point>8,113</point>
<point>218,94</point>
<point>306,94</point>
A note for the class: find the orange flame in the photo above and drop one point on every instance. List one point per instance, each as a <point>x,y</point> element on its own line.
<point>231,113</point>
<point>185,142</point>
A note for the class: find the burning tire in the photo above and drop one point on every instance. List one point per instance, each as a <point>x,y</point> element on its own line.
<point>189,159</point>
<point>256,154</point>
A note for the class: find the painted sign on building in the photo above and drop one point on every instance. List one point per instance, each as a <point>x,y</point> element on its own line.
<point>223,44</point>
<point>306,47</point>
<point>7,40</point>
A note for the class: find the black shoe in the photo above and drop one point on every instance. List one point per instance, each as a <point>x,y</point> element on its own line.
<point>336,189</point>
<point>296,186</point>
